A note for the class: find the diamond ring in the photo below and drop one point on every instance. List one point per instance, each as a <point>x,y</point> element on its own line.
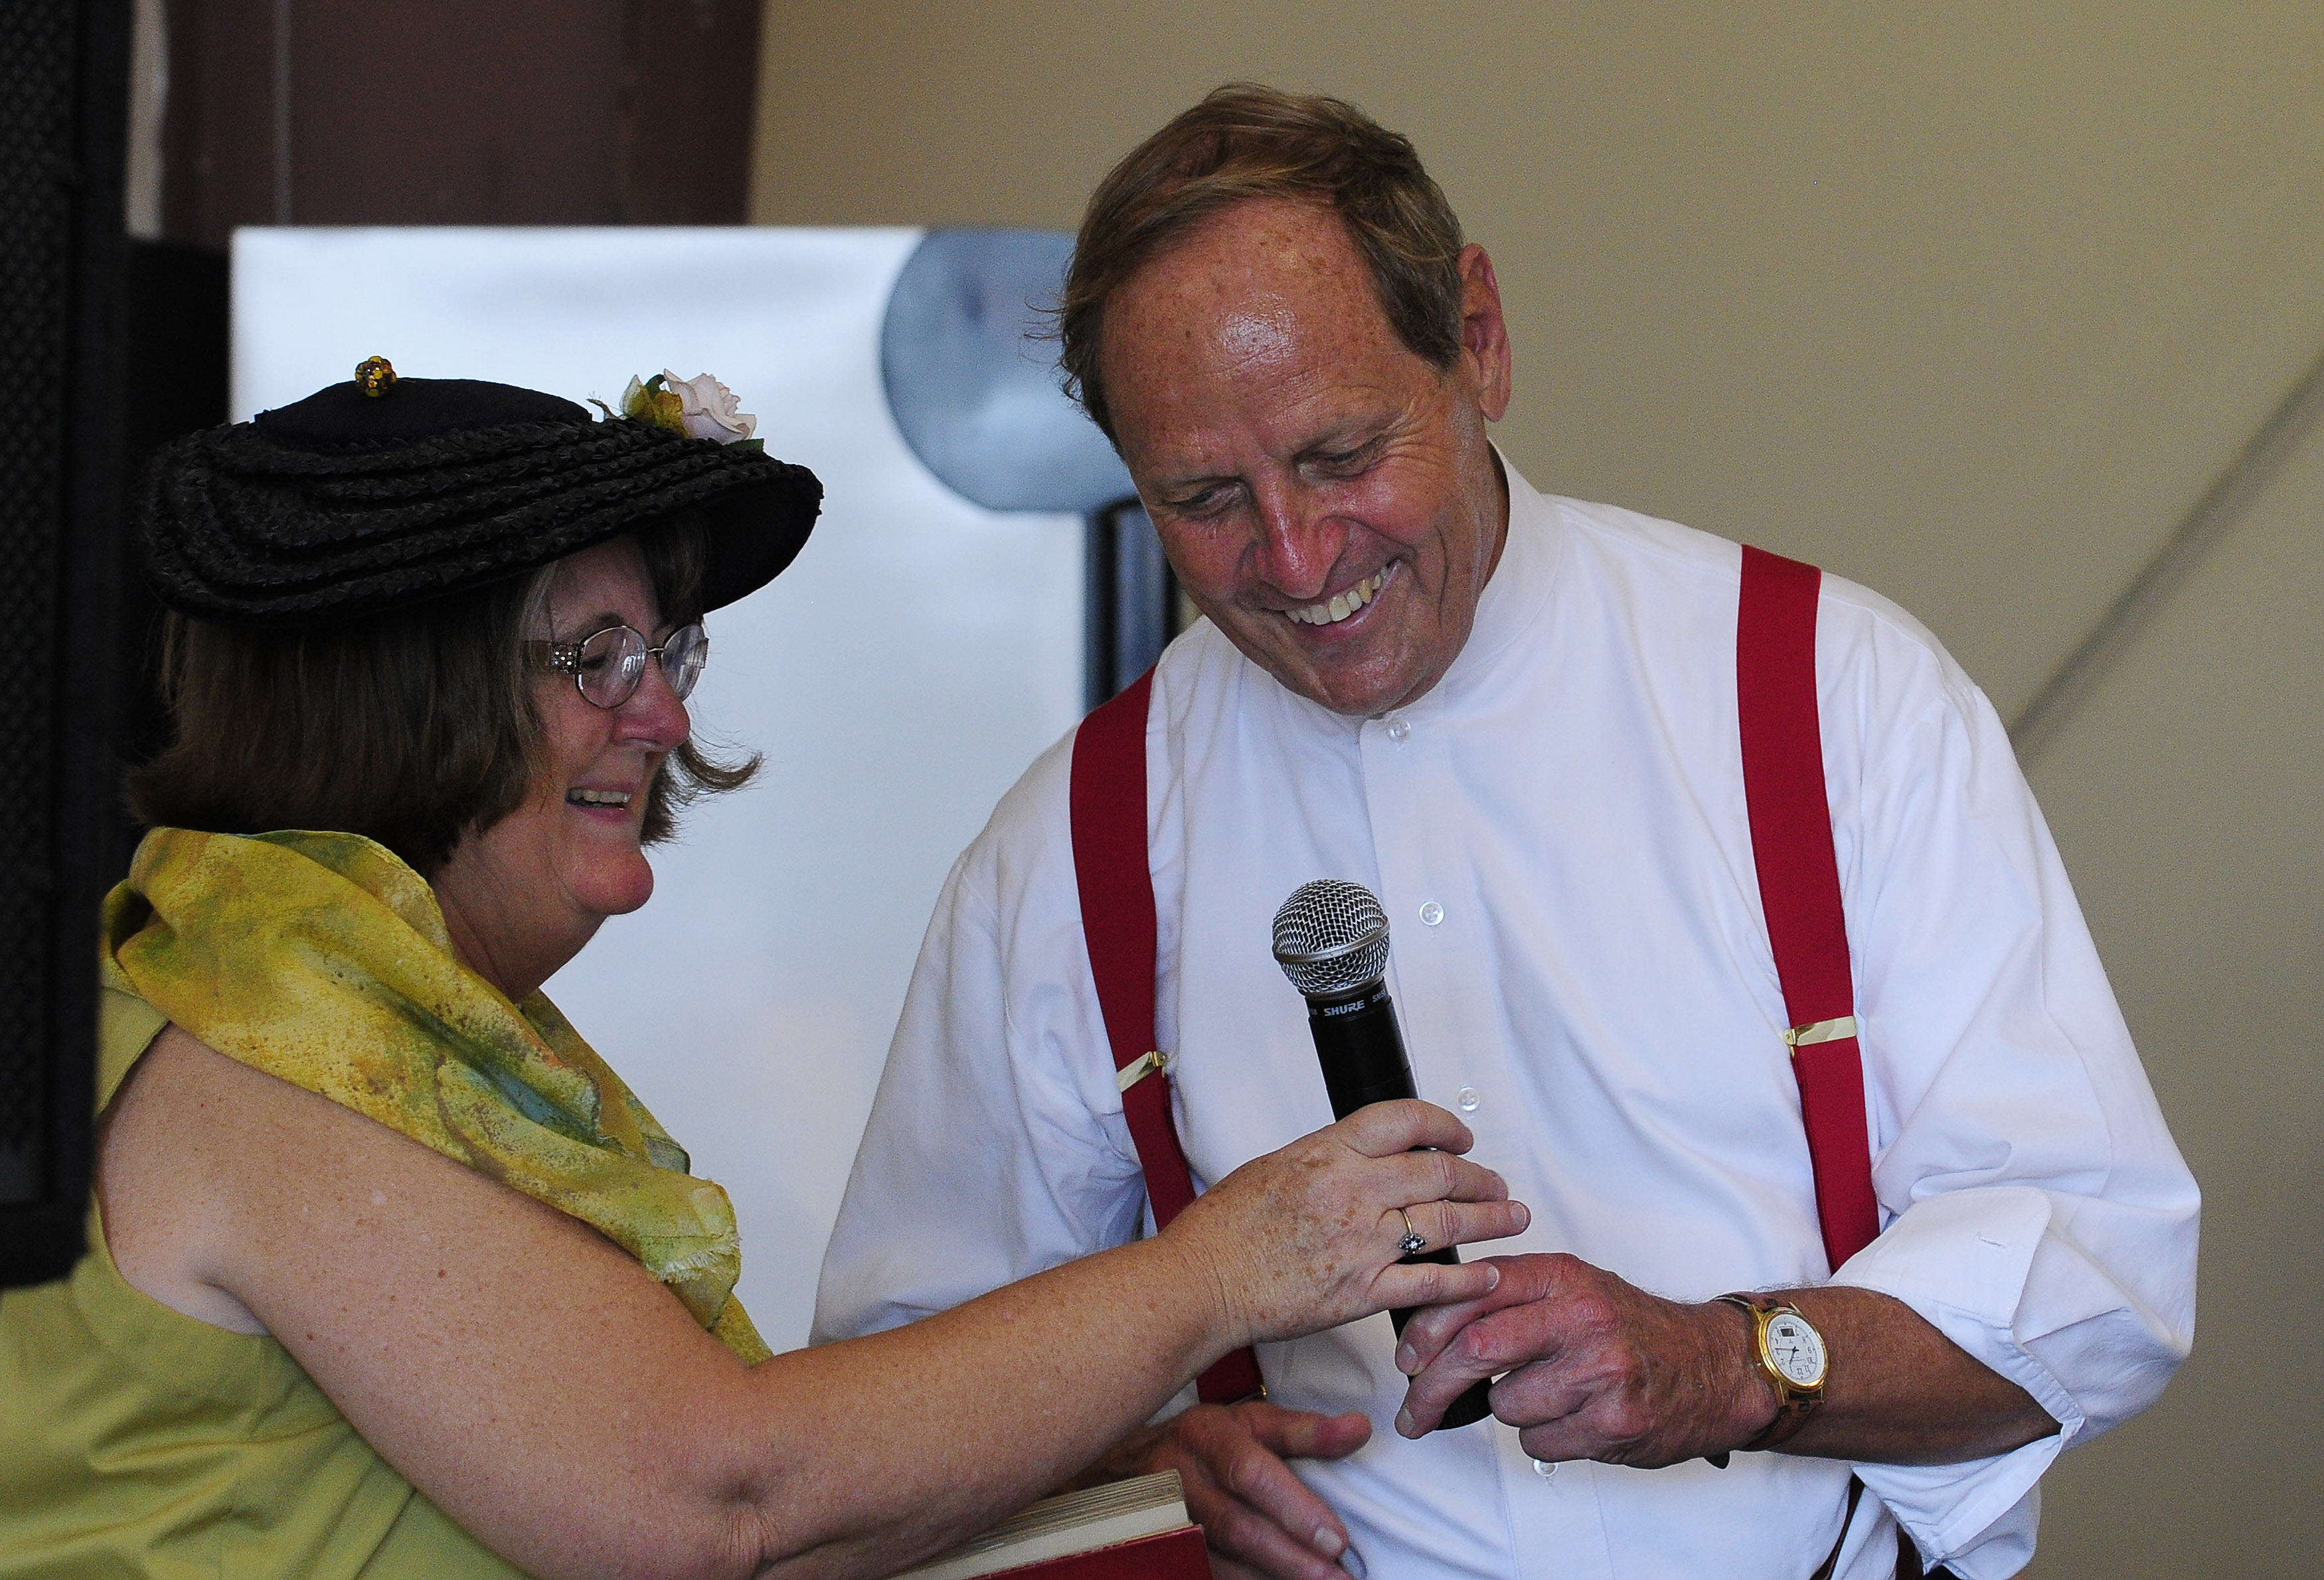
<point>1413,1244</point>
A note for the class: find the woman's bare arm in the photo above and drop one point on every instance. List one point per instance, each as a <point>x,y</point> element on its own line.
<point>540,1386</point>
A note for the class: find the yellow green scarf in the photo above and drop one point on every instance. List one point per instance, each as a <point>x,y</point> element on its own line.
<point>322,960</point>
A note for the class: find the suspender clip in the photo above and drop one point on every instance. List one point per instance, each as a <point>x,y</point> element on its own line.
<point>1828,1031</point>
<point>1147,1063</point>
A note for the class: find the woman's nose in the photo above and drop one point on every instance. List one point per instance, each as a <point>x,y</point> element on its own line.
<point>654,714</point>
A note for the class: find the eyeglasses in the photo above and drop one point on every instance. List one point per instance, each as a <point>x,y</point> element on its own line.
<point>607,666</point>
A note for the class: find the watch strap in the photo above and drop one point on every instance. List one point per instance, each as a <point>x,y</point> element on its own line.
<point>1793,1404</point>
<point>1790,1417</point>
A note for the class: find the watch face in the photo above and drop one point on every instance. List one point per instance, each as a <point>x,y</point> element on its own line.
<point>1796,1349</point>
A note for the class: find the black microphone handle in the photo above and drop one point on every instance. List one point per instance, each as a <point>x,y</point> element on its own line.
<point>1362,1049</point>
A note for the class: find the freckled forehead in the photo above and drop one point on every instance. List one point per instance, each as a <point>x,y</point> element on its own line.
<point>1262,331</point>
<point>1265,284</point>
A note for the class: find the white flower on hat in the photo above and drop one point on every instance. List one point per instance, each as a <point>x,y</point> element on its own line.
<point>711,410</point>
<point>700,408</point>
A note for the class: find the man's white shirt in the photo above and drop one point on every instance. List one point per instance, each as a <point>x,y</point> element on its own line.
<point>1559,834</point>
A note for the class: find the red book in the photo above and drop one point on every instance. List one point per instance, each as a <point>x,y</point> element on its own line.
<point>1134,1530</point>
<point>1169,1555</point>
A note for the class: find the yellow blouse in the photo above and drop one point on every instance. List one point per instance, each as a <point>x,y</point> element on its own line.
<point>136,1440</point>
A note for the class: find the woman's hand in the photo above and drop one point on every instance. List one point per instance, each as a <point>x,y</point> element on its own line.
<point>1307,1237</point>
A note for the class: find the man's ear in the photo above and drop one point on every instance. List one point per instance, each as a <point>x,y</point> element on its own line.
<point>1484,333</point>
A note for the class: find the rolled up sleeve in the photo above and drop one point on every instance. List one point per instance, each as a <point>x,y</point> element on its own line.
<point>2035,1209</point>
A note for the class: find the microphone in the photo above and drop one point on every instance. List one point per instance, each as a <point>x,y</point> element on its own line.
<point>1331,939</point>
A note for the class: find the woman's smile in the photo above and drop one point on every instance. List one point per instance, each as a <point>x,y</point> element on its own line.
<point>610,807</point>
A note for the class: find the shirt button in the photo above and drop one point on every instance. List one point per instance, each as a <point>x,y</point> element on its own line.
<point>1397,728</point>
<point>1468,1099</point>
<point>1545,1468</point>
<point>1431,913</point>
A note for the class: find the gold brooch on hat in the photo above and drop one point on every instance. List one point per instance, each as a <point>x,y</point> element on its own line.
<point>375,376</point>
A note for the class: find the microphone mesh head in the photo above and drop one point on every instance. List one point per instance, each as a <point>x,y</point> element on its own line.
<point>1330,936</point>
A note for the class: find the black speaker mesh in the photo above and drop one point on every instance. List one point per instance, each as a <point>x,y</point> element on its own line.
<point>37,182</point>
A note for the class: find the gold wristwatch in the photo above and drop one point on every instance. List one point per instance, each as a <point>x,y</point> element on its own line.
<point>1791,1355</point>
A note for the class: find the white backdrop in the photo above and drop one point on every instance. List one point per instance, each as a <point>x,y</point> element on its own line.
<point>898,677</point>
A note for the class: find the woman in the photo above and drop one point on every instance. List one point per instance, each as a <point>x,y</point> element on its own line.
<point>390,1274</point>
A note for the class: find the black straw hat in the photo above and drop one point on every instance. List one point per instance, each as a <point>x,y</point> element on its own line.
<point>360,499</point>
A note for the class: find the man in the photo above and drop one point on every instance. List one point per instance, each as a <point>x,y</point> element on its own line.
<point>1514,719</point>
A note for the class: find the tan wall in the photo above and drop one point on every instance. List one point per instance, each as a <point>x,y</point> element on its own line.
<point>1968,303</point>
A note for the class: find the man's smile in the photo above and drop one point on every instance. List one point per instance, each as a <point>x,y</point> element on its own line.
<point>1341,605</point>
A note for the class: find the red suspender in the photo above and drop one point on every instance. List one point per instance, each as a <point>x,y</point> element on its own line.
<point>1117,894</point>
<point>1799,885</point>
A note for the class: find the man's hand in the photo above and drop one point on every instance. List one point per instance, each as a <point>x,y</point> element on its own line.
<point>1595,1368</point>
<point>1258,1517</point>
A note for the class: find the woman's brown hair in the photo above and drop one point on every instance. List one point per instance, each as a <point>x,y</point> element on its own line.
<point>414,727</point>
